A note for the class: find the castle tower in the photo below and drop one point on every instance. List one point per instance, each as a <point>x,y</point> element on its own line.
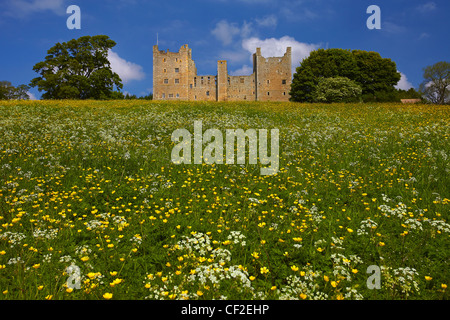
<point>222,80</point>
<point>273,76</point>
<point>171,74</point>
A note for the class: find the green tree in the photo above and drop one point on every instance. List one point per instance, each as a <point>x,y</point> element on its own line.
<point>368,69</point>
<point>78,69</point>
<point>9,92</point>
<point>338,89</point>
<point>408,94</point>
<point>436,85</point>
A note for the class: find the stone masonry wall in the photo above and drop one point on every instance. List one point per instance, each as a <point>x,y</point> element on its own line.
<point>175,78</point>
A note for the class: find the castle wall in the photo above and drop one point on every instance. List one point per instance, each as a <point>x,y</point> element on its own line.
<point>203,88</point>
<point>241,88</point>
<point>175,78</point>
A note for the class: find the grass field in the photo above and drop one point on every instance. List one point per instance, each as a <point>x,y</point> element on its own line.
<point>91,185</point>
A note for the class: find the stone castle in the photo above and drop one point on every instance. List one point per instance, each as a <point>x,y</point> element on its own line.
<point>175,78</point>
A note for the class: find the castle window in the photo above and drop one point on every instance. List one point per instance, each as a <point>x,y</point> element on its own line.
<point>242,80</point>
<point>268,93</point>
<point>177,69</point>
<point>170,95</point>
<point>190,86</point>
<point>177,80</point>
<point>163,96</point>
<point>166,81</point>
<point>268,81</point>
<point>284,93</point>
<point>178,95</point>
<point>164,59</point>
<point>165,70</point>
<point>207,93</point>
<point>283,81</point>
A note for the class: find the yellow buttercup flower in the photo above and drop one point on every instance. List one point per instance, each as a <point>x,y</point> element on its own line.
<point>107,296</point>
<point>92,275</point>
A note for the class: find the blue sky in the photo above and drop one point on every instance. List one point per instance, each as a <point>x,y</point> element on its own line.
<point>414,33</point>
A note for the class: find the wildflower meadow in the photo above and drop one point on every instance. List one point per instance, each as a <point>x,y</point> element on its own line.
<point>92,207</point>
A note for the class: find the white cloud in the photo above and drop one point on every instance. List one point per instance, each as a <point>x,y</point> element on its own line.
<point>22,8</point>
<point>404,84</point>
<point>126,70</point>
<point>273,47</point>
<point>225,31</point>
<point>244,71</point>
<point>393,28</point>
<point>31,95</point>
<point>427,7</point>
<point>298,12</point>
<point>237,56</point>
<point>268,21</point>
<point>424,35</point>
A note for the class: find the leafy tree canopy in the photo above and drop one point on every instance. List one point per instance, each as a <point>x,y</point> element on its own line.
<point>9,92</point>
<point>368,69</point>
<point>78,69</point>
